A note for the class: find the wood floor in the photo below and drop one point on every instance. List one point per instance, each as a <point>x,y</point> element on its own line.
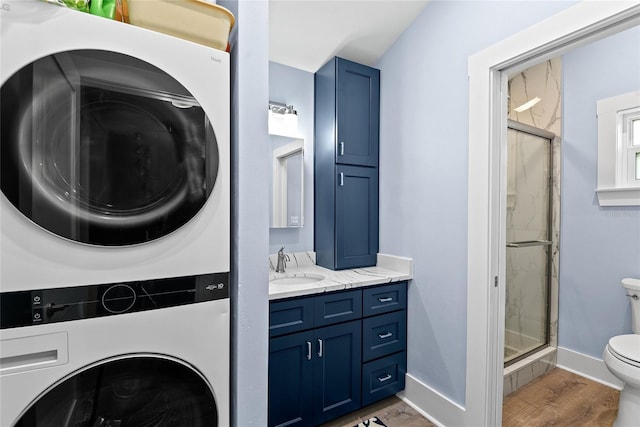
<point>559,398</point>
<point>392,411</point>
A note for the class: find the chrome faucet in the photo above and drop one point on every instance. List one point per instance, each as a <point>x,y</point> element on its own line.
<point>282,260</point>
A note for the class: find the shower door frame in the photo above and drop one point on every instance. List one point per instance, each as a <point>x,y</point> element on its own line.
<point>488,74</point>
<point>549,137</point>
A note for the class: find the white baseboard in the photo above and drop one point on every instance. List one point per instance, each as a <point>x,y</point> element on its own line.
<point>588,367</point>
<point>431,404</point>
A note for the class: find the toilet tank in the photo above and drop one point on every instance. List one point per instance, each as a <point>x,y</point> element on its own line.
<point>633,291</point>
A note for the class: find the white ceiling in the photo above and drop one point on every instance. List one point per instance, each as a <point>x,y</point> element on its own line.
<point>305,34</point>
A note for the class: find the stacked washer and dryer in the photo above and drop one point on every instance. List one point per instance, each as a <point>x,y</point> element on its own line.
<point>114,222</point>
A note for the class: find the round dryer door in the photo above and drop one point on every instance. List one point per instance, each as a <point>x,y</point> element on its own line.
<point>103,148</point>
<point>135,392</point>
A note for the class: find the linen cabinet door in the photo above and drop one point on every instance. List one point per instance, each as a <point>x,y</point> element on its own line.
<point>356,217</point>
<point>357,114</point>
<point>291,380</point>
<point>337,371</point>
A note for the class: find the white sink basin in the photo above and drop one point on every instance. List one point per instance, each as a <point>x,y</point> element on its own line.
<point>297,280</point>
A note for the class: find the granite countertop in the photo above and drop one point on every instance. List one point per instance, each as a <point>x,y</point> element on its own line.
<point>389,268</point>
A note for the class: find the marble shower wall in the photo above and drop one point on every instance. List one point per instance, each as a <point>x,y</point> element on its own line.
<point>543,81</point>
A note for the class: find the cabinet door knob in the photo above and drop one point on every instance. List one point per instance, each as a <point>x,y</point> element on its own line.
<point>319,348</point>
<point>308,350</point>
<point>341,148</point>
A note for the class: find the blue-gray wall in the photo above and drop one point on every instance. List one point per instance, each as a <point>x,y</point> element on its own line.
<point>250,215</point>
<point>598,245</point>
<point>295,87</point>
<point>423,196</point>
<point>423,170</point>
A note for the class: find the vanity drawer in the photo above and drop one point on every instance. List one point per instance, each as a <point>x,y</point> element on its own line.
<point>337,307</point>
<point>383,299</point>
<point>290,316</point>
<point>383,335</point>
<point>383,377</point>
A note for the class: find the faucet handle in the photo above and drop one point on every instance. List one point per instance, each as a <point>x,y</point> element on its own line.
<point>281,251</point>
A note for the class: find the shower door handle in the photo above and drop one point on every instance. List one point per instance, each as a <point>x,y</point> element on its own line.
<point>528,243</point>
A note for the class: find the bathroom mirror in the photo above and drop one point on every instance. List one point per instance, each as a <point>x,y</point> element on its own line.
<point>287,174</point>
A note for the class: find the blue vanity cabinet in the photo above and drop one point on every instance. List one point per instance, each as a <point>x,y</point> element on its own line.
<point>347,117</point>
<point>351,353</point>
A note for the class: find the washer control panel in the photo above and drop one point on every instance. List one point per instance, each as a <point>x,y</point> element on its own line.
<point>26,308</point>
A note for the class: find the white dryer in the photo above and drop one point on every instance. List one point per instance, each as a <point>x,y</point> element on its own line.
<point>114,151</point>
<point>114,223</point>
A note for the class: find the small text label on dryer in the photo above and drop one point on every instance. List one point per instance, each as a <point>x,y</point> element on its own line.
<point>213,287</point>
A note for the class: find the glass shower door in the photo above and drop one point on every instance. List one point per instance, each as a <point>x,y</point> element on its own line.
<point>528,253</point>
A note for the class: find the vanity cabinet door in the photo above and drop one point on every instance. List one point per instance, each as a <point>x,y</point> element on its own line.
<point>337,371</point>
<point>356,217</point>
<point>357,114</point>
<point>315,376</point>
<point>291,380</point>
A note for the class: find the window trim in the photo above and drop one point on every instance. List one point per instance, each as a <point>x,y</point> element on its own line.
<point>617,184</point>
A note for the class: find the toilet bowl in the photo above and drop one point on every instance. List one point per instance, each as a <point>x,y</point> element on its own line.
<point>622,358</point>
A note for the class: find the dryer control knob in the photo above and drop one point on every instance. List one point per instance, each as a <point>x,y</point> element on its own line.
<point>118,298</point>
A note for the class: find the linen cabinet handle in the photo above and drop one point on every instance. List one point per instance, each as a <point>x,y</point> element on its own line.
<point>341,148</point>
<point>308,350</point>
<point>341,176</point>
<point>320,348</point>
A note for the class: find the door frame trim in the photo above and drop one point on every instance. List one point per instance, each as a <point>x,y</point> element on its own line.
<point>488,73</point>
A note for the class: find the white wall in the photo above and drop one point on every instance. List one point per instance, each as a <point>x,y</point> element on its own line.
<point>295,87</point>
<point>423,170</point>
<point>599,245</point>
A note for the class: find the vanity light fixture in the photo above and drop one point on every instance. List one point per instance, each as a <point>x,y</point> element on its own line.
<point>283,119</point>
<point>530,103</point>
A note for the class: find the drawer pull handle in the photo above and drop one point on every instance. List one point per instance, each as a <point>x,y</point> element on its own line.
<point>319,348</point>
<point>387,299</point>
<point>308,350</point>
<point>385,335</point>
<point>385,378</point>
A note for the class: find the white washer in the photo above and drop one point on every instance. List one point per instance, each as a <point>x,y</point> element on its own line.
<point>114,222</point>
<point>170,365</point>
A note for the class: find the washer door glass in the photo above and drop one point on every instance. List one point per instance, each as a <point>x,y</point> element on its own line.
<point>103,148</point>
<point>137,392</point>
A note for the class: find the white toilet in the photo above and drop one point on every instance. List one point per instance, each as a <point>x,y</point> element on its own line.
<point>622,358</point>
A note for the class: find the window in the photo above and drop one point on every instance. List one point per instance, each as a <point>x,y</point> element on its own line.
<point>619,150</point>
<point>628,124</point>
